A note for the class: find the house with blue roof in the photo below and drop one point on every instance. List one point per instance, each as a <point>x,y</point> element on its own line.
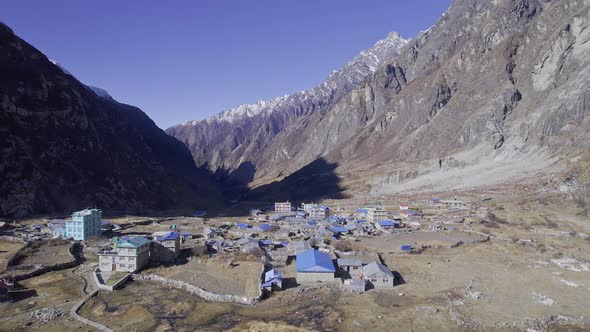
<point>338,230</point>
<point>273,279</point>
<point>314,266</point>
<point>263,227</point>
<point>129,254</point>
<point>166,246</point>
<point>386,225</point>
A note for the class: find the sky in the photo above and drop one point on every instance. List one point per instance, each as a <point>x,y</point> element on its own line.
<point>187,60</point>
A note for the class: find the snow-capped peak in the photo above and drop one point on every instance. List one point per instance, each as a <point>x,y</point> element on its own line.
<point>348,76</point>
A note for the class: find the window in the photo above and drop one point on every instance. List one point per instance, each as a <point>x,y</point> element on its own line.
<point>373,279</point>
<point>385,280</point>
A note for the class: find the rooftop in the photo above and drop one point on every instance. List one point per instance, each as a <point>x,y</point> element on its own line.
<point>130,242</point>
<point>314,261</point>
<point>372,268</point>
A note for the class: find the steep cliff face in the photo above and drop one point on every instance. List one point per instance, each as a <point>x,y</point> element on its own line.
<point>65,147</point>
<point>235,139</point>
<point>496,89</point>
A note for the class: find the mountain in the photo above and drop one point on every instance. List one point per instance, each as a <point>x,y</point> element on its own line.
<point>67,146</point>
<point>234,139</point>
<point>495,91</point>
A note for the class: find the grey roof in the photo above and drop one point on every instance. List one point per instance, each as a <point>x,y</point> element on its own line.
<point>375,267</point>
<point>349,262</point>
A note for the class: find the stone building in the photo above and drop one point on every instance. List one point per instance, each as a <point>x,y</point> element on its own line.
<point>129,254</point>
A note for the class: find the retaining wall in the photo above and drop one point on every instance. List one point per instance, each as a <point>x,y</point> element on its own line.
<point>76,307</point>
<point>75,249</point>
<point>100,285</point>
<point>195,290</point>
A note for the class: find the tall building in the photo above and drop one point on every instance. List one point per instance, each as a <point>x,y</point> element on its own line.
<point>84,224</point>
<point>319,212</point>
<point>283,207</point>
<point>376,214</point>
<point>129,254</point>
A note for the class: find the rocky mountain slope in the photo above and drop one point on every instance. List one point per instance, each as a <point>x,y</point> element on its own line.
<point>233,139</point>
<point>495,91</point>
<point>66,146</point>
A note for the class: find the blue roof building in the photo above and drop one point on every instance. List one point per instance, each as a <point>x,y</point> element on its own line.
<point>264,227</point>
<point>314,261</point>
<point>273,278</point>
<point>314,266</point>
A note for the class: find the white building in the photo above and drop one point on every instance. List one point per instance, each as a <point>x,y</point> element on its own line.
<point>319,212</point>
<point>283,207</point>
<point>375,214</point>
<point>130,254</point>
<point>378,275</point>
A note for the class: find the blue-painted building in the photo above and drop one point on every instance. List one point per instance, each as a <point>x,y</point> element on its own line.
<point>314,266</point>
<point>84,224</point>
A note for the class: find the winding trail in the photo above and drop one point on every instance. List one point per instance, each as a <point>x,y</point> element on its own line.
<point>90,289</point>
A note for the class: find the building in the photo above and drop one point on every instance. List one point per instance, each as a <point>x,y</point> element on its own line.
<point>409,214</point>
<point>378,275</point>
<point>57,227</point>
<point>351,266</point>
<point>282,207</point>
<point>376,214</point>
<point>209,233</point>
<point>314,266</point>
<point>308,206</point>
<point>404,207</point>
<point>386,225</point>
<point>129,254</point>
<point>165,247</point>
<point>319,212</point>
<point>84,224</point>
<point>273,279</point>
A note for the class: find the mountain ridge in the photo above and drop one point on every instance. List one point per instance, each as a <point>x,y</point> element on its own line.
<point>66,148</point>
<point>486,83</point>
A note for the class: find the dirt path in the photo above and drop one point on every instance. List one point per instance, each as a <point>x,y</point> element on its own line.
<point>89,288</point>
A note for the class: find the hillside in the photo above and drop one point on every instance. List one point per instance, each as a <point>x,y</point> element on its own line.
<point>65,147</point>
<point>495,91</point>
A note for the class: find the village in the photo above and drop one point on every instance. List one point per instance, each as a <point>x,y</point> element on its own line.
<point>242,258</point>
<point>317,238</point>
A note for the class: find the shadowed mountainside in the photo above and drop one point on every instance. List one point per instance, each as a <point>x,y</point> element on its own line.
<point>65,148</point>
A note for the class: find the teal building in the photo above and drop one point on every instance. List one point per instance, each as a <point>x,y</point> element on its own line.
<point>84,224</point>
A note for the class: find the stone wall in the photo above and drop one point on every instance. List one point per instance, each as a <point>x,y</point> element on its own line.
<point>195,290</point>
<point>97,280</point>
<point>75,250</point>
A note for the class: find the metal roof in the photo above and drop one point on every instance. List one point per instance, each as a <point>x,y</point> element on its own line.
<point>168,236</point>
<point>375,267</point>
<point>386,223</point>
<point>349,262</point>
<point>131,242</point>
<point>338,229</point>
<point>272,274</point>
<point>314,261</point>
<point>265,227</point>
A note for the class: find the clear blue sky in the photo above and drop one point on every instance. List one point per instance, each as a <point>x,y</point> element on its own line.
<point>185,60</point>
